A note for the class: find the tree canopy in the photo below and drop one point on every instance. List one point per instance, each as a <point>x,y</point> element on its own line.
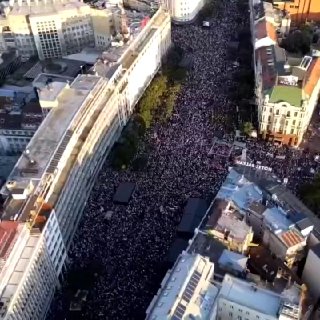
<point>298,42</point>
<point>247,128</point>
<point>310,194</point>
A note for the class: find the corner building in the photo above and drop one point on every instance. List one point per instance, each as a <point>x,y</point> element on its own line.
<point>47,190</point>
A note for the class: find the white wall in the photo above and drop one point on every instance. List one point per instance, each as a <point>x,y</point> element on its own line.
<point>184,10</point>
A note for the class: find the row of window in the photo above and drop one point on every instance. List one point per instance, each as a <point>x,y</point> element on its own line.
<point>288,114</point>
<point>294,122</point>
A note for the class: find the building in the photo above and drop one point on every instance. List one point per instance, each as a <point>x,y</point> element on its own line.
<point>239,299</point>
<point>300,11</point>
<point>183,11</point>
<point>47,190</point>
<point>186,291</point>
<point>310,271</point>
<point>281,228</point>
<point>286,93</point>
<point>20,117</point>
<point>254,280</point>
<point>228,225</point>
<point>9,62</point>
<point>56,28</point>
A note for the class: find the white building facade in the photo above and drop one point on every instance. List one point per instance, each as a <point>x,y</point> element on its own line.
<point>49,186</point>
<point>183,11</point>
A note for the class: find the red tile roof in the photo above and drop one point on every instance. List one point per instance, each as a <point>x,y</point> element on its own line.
<point>265,29</point>
<point>291,238</point>
<point>312,76</point>
<point>8,230</point>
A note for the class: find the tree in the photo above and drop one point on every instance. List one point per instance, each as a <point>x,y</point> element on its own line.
<point>297,42</point>
<point>310,194</point>
<point>247,128</point>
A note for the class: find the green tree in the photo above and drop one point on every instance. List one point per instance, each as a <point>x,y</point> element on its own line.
<point>298,42</point>
<point>247,128</point>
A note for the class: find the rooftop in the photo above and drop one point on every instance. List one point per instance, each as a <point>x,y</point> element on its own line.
<point>276,220</point>
<point>186,290</point>
<point>19,110</point>
<point>249,295</point>
<point>45,141</point>
<point>55,67</point>
<point>292,238</point>
<point>316,249</point>
<point>265,29</point>
<point>230,220</point>
<point>233,261</point>
<point>283,93</point>
<point>257,208</point>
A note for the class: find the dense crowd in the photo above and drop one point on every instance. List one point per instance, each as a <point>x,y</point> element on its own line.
<point>130,247</point>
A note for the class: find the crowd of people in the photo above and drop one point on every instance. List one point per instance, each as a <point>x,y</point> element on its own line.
<point>128,250</point>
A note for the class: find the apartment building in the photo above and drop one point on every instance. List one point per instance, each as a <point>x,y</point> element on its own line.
<point>47,190</point>
<point>286,92</point>
<point>20,117</point>
<point>183,11</point>
<point>56,28</point>
<point>300,11</point>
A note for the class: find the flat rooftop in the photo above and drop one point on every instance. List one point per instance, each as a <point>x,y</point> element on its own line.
<point>46,139</point>
<point>249,295</point>
<point>186,290</point>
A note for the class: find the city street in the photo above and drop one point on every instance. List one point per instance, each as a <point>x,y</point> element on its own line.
<point>127,252</point>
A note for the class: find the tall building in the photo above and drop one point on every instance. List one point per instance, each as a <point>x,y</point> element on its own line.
<point>55,28</point>
<point>183,10</point>
<point>47,190</point>
<point>286,90</point>
<point>300,10</point>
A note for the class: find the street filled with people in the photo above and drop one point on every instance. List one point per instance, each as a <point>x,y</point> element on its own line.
<point>127,250</point>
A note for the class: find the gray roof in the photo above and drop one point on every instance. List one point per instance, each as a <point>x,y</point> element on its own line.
<point>257,208</point>
<point>316,249</point>
<point>270,185</point>
<point>233,261</point>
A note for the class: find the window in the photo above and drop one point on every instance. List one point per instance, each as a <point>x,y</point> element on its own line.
<point>292,131</point>
<point>277,112</point>
<point>230,314</point>
<point>288,114</point>
<point>293,122</point>
<point>296,114</point>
